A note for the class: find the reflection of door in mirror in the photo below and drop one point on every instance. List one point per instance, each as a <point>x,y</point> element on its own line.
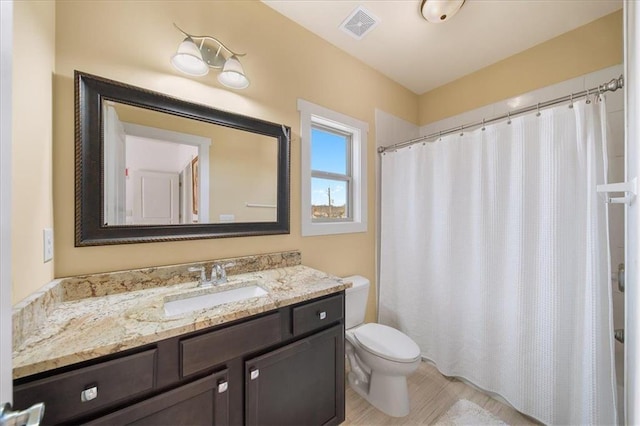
<point>155,198</point>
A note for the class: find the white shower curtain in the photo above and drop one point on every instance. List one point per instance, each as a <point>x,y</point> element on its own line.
<point>495,260</point>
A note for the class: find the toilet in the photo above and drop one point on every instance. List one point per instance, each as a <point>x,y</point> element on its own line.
<point>380,357</point>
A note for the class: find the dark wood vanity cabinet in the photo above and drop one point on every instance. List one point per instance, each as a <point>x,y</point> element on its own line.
<point>290,385</point>
<point>283,367</point>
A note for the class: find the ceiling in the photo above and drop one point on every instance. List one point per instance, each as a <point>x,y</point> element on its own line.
<point>420,55</point>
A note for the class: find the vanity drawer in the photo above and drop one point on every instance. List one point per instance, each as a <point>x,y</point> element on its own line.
<point>318,314</point>
<point>65,395</point>
<point>208,350</point>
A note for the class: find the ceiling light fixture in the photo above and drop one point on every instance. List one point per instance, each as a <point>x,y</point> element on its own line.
<point>437,11</point>
<point>197,54</point>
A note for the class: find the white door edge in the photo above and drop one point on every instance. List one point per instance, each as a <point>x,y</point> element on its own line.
<point>632,216</point>
<point>6,63</point>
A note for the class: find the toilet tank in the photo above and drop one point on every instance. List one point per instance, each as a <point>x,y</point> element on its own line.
<point>356,300</point>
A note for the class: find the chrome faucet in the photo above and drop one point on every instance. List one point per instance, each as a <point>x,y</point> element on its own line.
<point>203,282</point>
<point>218,274</point>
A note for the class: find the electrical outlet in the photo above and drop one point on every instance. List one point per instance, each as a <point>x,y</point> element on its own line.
<point>47,236</point>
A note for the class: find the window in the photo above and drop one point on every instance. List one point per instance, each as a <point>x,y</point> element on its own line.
<point>331,183</point>
<point>334,190</point>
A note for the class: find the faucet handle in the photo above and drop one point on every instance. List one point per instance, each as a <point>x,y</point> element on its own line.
<point>220,272</point>
<point>203,275</point>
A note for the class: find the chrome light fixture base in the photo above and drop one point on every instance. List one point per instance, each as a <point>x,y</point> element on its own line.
<point>196,61</point>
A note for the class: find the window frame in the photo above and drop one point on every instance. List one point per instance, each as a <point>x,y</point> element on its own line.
<point>312,115</point>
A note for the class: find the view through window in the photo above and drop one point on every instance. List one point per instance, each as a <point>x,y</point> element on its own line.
<point>331,179</point>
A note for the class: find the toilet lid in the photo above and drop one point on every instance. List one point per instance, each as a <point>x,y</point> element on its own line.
<point>387,342</point>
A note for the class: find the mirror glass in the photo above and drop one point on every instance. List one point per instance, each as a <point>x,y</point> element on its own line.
<point>163,169</point>
<point>150,167</point>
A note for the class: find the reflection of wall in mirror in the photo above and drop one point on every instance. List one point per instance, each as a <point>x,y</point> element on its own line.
<point>243,165</point>
<point>244,169</point>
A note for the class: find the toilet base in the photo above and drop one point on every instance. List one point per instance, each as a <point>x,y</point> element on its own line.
<point>388,394</point>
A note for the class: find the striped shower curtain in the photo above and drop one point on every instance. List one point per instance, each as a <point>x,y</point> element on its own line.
<point>495,260</point>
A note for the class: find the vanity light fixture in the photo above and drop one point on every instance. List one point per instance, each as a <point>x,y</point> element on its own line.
<point>197,54</point>
<point>437,11</point>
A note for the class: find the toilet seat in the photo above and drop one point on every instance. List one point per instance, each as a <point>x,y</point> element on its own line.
<point>387,342</point>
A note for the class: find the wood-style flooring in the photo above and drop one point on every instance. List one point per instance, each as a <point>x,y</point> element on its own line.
<point>431,395</point>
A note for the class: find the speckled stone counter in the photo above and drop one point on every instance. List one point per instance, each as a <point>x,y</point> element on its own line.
<point>64,331</point>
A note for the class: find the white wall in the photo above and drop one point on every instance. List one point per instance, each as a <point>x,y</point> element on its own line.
<point>389,130</point>
<point>166,156</point>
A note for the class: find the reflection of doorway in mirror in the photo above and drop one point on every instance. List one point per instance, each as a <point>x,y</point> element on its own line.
<point>153,191</point>
<point>150,149</point>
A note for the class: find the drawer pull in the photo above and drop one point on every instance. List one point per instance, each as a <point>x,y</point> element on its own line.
<point>223,386</point>
<point>89,394</point>
<point>255,373</point>
<point>322,315</point>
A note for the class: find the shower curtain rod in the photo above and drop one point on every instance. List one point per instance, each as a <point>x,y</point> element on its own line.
<point>611,86</point>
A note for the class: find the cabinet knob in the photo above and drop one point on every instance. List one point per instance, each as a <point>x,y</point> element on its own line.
<point>322,315</point>
<point>254,373</point>
<point>89,394</point>
<point>223,386</point>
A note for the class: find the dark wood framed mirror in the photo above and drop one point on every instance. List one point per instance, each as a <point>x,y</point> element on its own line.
<point>150,167</point>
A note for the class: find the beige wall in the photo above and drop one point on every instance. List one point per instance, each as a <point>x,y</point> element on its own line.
<point>133,41</point>
<point>33,67</point>
<point>243,170</point>
<point>586,49</point>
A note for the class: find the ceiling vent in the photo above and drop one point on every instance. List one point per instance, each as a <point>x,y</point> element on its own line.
<point>359,23</point>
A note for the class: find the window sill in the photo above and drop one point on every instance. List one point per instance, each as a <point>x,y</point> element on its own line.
<point>310,229</point>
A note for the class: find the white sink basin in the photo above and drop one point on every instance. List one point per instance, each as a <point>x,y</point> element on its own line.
<point>208,298</point>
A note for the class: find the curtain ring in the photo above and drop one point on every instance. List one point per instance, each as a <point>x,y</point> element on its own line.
<point>509,117</point>
<point>588,94</point>
<point>571,101</point>
<point>461,130</point>
<point>483,128</point>
<point>440,135</point>
<point>538,109</point>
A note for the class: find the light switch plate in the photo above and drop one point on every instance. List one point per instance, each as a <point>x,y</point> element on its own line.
<point>47,237</point>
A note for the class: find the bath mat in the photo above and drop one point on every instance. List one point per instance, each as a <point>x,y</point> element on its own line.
<point>466,412</point>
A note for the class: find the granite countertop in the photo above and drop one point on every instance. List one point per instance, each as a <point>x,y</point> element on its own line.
<point>79,330</point>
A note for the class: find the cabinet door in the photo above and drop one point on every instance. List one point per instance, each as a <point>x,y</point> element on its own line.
<point>298,384</point>
<point>202,402</point>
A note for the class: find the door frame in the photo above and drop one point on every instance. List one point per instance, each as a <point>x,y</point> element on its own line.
<point>6,65</point>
